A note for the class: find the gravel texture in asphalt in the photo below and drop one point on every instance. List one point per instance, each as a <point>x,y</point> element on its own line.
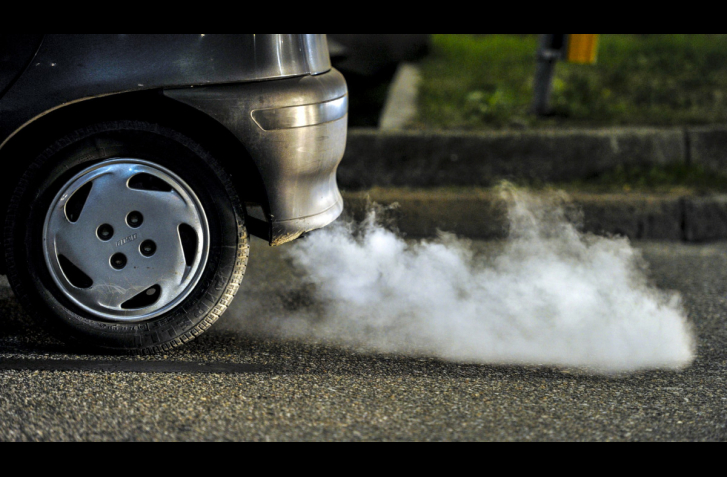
<point>234,384</point>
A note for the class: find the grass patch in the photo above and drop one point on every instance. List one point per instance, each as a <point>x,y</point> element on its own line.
<point>485,82</point>
<point>672,178</point>
<point>668,178</point>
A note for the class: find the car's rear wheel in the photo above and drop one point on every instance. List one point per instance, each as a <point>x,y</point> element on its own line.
<point>125,237</point>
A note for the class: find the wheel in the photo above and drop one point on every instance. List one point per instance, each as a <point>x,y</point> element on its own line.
<point>125,237</point>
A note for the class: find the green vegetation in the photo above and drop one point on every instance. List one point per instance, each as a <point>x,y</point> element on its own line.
<point>682,178</point>
<point>485,81</point>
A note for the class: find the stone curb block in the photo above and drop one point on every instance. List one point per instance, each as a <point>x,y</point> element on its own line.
<point>483,214</point>
<point>707,146</point>
<point>705,218</point>
<point>426,159</point>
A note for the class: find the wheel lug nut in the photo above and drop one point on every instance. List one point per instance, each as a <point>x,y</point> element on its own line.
<point>147,248</point>
<point>118,261</point>
<point>134,219</point>
<point>104,232</point>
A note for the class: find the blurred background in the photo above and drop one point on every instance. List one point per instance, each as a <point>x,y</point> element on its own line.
<point>483,82</point>
<point>369,62</point>
<point>486,81</point>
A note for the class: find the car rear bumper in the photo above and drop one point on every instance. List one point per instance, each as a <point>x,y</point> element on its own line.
<point>295,131</point>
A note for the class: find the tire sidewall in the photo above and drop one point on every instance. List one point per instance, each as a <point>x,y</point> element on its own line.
<point>79,150</point>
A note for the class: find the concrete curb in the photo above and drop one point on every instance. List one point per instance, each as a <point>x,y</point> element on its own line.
<point>400,107</point>
<point>435,158</point>
<point>483,213</point>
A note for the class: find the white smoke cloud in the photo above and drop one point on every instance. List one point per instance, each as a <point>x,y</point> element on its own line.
<point>549,295</point>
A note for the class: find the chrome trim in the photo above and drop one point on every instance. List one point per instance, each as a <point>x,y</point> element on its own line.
<point>300,116</point>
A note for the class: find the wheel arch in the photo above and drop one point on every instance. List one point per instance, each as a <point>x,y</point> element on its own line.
<point>33,137</point>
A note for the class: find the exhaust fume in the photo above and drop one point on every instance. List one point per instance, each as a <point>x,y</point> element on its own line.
<point>548,295</point>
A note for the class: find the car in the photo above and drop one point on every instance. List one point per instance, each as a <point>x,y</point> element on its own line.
<point>135,166</point>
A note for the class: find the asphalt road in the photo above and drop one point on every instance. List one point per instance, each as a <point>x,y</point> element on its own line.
<point>234,384</point>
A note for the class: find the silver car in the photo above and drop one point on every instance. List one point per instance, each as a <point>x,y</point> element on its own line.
<point>135,166</point>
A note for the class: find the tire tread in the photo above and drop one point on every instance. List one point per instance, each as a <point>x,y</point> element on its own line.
<point>231,280</point>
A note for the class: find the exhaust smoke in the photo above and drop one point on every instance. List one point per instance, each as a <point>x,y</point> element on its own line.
<point>548,295</point>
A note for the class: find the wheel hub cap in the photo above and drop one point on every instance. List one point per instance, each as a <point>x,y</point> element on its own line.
<point>126,240</point>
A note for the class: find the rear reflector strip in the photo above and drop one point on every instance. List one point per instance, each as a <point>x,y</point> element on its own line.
<point>301,116</point>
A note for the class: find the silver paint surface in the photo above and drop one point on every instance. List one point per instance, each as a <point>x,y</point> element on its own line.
<point>68,68</point>
<point>297,164</point>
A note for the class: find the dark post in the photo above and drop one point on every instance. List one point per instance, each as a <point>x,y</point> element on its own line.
<point>549,51</point>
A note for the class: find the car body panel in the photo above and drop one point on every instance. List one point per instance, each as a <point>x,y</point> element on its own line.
<point>16,51</point>
<point>70,68</point>
<point>226,77</point>
<point>299,154</point>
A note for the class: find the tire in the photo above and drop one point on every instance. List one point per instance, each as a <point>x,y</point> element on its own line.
<point>169,220</point>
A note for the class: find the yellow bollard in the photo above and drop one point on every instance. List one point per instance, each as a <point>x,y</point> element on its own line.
<point>582,48</point>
